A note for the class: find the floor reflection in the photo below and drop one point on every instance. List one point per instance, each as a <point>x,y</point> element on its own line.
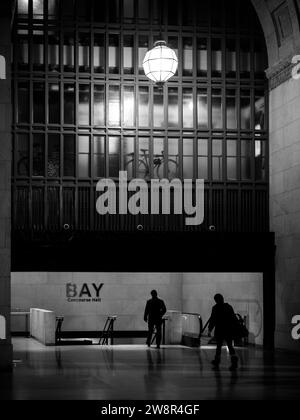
<point>136,372</point>
<point>153,377</point>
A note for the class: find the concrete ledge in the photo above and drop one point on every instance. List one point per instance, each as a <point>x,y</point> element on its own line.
<point>42,326</point>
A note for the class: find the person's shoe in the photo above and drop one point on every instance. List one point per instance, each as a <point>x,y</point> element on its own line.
<point>158,347</point>
<point>234,363</point>
<point>148,344</point>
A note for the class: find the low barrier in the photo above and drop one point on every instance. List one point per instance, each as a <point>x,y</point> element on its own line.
<point>42,326</point>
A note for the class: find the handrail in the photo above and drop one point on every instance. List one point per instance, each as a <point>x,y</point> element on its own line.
<point>108,330</point>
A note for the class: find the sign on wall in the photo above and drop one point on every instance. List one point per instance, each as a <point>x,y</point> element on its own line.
<point>83,293</point>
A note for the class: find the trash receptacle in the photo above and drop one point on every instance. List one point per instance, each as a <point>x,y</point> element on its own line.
<point>174,327</point>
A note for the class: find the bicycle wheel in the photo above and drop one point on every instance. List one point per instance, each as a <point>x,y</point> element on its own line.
<point>172,169</point>
<point>129,167</point>
<point>143,170</point>
<point>159,170</point>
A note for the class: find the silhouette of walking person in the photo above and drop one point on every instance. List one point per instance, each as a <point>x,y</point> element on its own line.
<point>154,312</point>
<point>223,320</point>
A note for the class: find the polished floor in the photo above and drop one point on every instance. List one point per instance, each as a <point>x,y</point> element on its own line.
<point>136,373</point>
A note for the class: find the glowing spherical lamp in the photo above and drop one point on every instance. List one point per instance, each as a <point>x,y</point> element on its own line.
<point>160,63</point>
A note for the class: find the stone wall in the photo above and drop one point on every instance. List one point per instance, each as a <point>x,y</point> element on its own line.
<point>5,181</point>
<point>125,294</point>
<point>122,294</point>
<point>244,291</point>
<point>280,21</point>
<point>285,204</point>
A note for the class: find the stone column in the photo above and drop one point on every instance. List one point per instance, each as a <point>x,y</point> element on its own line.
<point>5,183</point>
<point>285,197</point>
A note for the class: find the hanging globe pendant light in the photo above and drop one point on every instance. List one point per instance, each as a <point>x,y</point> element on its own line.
<point>160,63</point>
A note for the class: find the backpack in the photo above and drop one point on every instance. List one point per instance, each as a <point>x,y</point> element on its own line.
<point>239,328</point>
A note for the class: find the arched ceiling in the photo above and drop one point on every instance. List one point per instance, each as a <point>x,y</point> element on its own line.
<point>280,20</point>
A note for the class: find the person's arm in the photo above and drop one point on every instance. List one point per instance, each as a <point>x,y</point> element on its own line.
<point>146,313</point>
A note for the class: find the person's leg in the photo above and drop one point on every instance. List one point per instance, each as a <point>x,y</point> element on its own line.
<point>158,333</point>
<point>231,349</point>
<point>150,333</point>
<point>234,358</point>
<point>217,359</point>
